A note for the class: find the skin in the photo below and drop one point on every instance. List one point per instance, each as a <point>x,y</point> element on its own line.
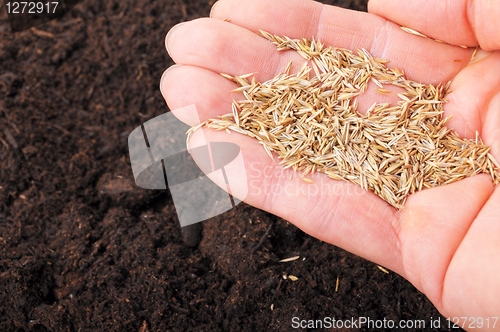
<point>446,241</point>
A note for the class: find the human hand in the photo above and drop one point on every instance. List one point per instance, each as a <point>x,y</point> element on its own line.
<point>446,241</point>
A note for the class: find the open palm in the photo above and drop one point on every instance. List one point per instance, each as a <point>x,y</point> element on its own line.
<point>446,240</point>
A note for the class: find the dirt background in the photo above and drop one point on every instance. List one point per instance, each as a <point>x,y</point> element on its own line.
<point>82,248</point>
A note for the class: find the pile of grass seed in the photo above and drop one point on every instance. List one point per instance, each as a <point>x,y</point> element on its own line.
<point>310,120</point>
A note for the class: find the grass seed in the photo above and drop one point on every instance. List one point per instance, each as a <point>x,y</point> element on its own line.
<point>311,122</point>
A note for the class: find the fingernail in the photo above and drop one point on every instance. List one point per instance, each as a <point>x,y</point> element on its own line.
<point>169,35</point>
<point>213,6</point>
<point>162,85</point>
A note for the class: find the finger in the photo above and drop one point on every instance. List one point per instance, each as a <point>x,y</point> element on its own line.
<point>471,101</point>
<point>184,85</point>
<point>226,48</point>
<point>491,131</point>
<point>458,22</point>
<point>333,211</point>
<point>422,59</point>
<point>432,225</point>
<point>472,273</point>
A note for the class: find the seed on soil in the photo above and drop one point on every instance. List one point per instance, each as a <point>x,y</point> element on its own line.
<point>382,269</point>
<point>310,120</point>
<point>289,259</point>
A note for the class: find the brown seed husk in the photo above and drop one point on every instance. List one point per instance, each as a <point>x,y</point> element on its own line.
<point>310,120</point>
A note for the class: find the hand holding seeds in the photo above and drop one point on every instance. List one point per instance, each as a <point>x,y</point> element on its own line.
<point>313,124</point>
<point>446,237</point>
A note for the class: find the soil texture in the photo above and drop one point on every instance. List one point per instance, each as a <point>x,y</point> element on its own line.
<point>82,248</point>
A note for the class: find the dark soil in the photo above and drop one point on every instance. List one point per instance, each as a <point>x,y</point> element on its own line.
<point>82,248</point>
